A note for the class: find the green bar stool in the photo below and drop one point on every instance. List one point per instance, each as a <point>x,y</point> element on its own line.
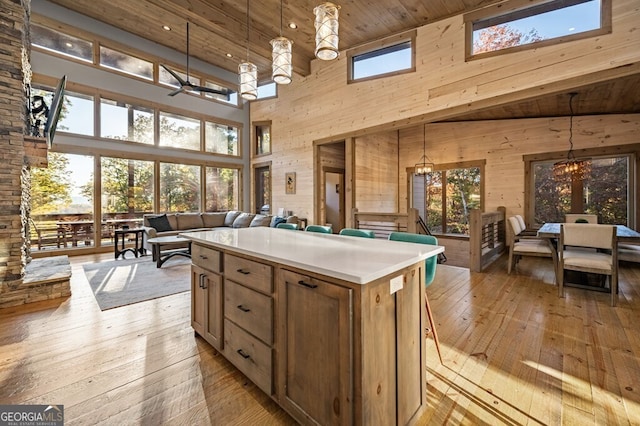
<point>429,273</point>
<point>293,226</point>
<point>319,228</point>
<point>353,232</point>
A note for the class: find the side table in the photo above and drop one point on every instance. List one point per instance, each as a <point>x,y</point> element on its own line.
<point>119,236</point>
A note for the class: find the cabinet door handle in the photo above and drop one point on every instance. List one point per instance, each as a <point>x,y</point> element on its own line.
<point>306,284</point>
<point>243,309</point>
<point>243,354</point>
<point>202,281</point>
<point>242,271</point>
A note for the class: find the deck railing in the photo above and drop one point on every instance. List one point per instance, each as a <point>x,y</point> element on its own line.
<point>487,237</point>
<point>382,224</point>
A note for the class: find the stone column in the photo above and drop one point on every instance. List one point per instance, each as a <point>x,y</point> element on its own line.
<point>14,24</point>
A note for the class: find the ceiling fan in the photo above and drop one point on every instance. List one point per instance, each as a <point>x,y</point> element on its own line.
<point>186,85</point>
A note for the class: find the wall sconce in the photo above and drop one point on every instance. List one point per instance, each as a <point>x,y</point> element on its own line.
<point>326,24</point>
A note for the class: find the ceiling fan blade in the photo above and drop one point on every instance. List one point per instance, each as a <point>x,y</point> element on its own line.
<point>175,92</point>
<point>174,74</point>
<point>211,90</point>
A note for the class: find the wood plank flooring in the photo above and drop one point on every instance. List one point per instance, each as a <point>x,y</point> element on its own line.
<point>514,353</point>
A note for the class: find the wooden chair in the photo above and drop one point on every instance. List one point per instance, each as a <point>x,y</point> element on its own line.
<point>580,218</point>
<point>525,231</point>
<point>49,235</point>
<point>523,245</point>
<point>292,226</point>
<point>353,232</point>
<point>319,228</point>
<point>574,237</point>
<point>429,273</point>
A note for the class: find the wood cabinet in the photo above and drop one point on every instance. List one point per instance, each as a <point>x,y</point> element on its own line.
<point>206,295</point>
<point>328,350</point>
<point>316,356</point>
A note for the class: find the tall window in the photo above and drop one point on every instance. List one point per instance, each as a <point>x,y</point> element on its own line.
<point>78,114</point>
<point>262,138</point>
<point>221,139</point>
<point>127,187</point>
<point>222,186</point>
<point>448,194</point>
<point>605,192</point>
<point>179,188</point>
<point>262,186</point>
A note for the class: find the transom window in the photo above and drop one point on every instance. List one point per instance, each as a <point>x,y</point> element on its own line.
<point>65,44</point>
<point>546,22</point>
<point>393,56</point>
<point>126,63</point>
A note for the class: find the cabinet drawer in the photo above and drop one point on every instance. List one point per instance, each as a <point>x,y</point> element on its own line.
<point>250,310</point>
<point>250,355</point>
<point>205,257</point>
<point>252,274</point>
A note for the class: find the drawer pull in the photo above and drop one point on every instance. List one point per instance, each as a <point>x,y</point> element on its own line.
<point>242,271</point>
<point>203,257</point>
<point>243,354</point>
<point>301,282</point>
<point>243,309</point>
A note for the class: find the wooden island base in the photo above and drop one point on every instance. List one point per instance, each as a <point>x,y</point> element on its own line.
<point>326,349</point>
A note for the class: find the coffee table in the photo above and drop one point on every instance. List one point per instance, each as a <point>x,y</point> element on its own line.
<point>172,246</point>
<point>119,247</point>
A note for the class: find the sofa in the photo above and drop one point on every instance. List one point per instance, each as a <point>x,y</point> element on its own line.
<point>168,224</point>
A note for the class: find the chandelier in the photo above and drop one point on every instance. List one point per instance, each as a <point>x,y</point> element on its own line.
<point>571,168</point>
<point>326,24</point>
<point>248,72</point>
<point>426,165</point>
<point>281,56</point>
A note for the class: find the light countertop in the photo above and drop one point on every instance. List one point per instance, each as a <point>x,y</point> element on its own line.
<point>353,259</point>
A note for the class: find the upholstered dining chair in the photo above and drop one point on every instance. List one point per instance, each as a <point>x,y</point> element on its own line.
<point>319,228</point>
<point>523,245</point>
<point>353,232</point>
<point>523,226</point>
<point>574,237</point>
<point>429,273</point>
<point>580,218</point>
<point>293,226</point>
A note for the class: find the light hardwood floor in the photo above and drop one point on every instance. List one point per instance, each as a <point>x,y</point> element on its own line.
<point>514,354</point>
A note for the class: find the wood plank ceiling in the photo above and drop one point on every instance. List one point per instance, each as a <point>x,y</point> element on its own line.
<point>218,35</point>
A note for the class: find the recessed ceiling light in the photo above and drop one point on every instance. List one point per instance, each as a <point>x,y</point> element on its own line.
<point>166,28</point>
<point>293,25</point>
<point>229,55</point>
<point>68,44</point>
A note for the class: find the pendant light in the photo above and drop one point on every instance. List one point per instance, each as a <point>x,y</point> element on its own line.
<point>571,168</point>
<point>326,24</point>
<point>281,56</point>
<point>426,165</point>
<point>247,71</point>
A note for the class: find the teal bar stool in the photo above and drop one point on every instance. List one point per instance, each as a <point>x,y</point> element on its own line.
<point>293,226</point>
<point>353,232</point>
<point>319,228</point>
<point>429,273</point>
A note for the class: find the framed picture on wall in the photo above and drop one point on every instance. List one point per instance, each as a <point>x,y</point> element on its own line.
<point>290,182</point>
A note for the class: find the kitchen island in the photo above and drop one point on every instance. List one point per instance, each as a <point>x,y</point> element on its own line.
<point>331,327</point>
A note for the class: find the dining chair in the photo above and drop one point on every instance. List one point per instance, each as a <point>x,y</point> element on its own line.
<point>523,226</point>
<point>353,232</point>
<point>429,273</point>
<point>580,218</point>
<point>319,228</point>
<point>284,225</point>
<point>524,245</point>
<point>574,237</point>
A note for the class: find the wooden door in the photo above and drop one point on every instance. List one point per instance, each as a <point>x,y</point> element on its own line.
<point>316,359</point>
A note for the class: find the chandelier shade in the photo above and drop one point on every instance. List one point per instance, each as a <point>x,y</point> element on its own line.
<point>281,56</point>
<point>248,76</point>
<point>326,24</point>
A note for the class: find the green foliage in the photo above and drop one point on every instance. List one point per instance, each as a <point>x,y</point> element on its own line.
<point>179,187</point>
<point>51,186</point>
<point>500,37</point>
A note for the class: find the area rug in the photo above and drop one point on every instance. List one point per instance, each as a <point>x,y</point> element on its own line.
<point>124,282</point>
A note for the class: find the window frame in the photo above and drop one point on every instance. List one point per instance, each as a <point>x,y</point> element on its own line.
<point>254,139</point>
<point>381,45</point>
<point>632,150</point>
<point>515,8</point>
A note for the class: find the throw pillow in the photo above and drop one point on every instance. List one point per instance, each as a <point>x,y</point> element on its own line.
<point>243,220</point>
<point>276,220</point>
<point>231,216</point>
<point>261,220</point>
<point>160,223</point>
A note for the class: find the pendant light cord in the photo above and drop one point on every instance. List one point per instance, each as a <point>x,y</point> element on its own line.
<point>570,155</point>
<point>248,28</point>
